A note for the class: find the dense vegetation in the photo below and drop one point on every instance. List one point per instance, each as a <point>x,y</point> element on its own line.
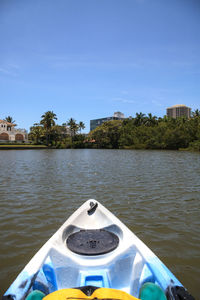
<point>67,135</point>
<point>149,132</point>
<point>141,132</point>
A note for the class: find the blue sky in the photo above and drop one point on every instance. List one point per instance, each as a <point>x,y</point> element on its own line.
<point>87,59</point>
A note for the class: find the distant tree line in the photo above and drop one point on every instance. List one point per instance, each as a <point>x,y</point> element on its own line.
<point>140,132</point>
<point>149,132</point>
<point>67,135</point>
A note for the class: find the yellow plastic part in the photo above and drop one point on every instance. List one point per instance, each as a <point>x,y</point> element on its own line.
<point>98,294</point>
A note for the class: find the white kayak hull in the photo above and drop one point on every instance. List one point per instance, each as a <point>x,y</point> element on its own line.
<point>126,267</point>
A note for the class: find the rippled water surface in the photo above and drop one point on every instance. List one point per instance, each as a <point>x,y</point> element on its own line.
<point>155,193</point>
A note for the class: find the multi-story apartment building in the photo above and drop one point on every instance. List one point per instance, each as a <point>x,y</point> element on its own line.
<point>9,133</point>
<point>97,122</point>
<point>179,110</point>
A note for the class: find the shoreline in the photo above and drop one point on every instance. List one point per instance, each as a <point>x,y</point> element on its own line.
<point>41,147</point>
<point>22,147</point>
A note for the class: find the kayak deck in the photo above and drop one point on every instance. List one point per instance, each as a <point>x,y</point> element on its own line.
<point>125,270</point>
<point>126,266</point>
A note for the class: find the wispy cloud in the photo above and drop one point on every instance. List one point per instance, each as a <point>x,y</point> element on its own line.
<point>124,92</point>
<point>123,100</point>
<point>157,103</point>
<point>9,70</point>
<point>89,61</point>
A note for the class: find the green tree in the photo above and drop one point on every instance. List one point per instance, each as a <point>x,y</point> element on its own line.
<point>81,126</point>
<point>37,133</point>
<point>139,119</point>
<point>48,121</point>
<point>73,126</point>
<point>196,113</point>
<point>151,120</point>
<point>57,134</point>
<point>107,135</point>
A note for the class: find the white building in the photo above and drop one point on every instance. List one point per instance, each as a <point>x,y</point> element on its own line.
<point>119,115</point>
<point>9,133</point>
<point>97,122</point>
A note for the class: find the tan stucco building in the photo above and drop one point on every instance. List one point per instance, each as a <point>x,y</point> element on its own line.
<point>179,110</point>
<point>9,133</point>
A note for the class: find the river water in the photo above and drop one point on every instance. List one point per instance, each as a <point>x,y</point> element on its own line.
<point>155,193</point>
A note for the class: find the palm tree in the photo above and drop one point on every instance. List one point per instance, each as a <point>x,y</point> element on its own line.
<point>139,119</point>
<point>48,121</point>
<point>36,133</point>
<point>151,120</point>
<point>196,113</point>
<point>9,119</point>
<point>81,125</point>
<point>73,126</point>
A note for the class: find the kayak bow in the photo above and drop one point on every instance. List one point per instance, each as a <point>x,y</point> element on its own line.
<point>94,248</point>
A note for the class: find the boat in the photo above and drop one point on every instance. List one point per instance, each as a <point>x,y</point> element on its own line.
<point>93,248</point>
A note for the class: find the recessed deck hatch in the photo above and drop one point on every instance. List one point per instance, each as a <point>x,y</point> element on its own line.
<point>92,242</point>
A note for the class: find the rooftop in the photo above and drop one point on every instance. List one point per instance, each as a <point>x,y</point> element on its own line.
<point>5,122</point>
<point>178,105</point>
